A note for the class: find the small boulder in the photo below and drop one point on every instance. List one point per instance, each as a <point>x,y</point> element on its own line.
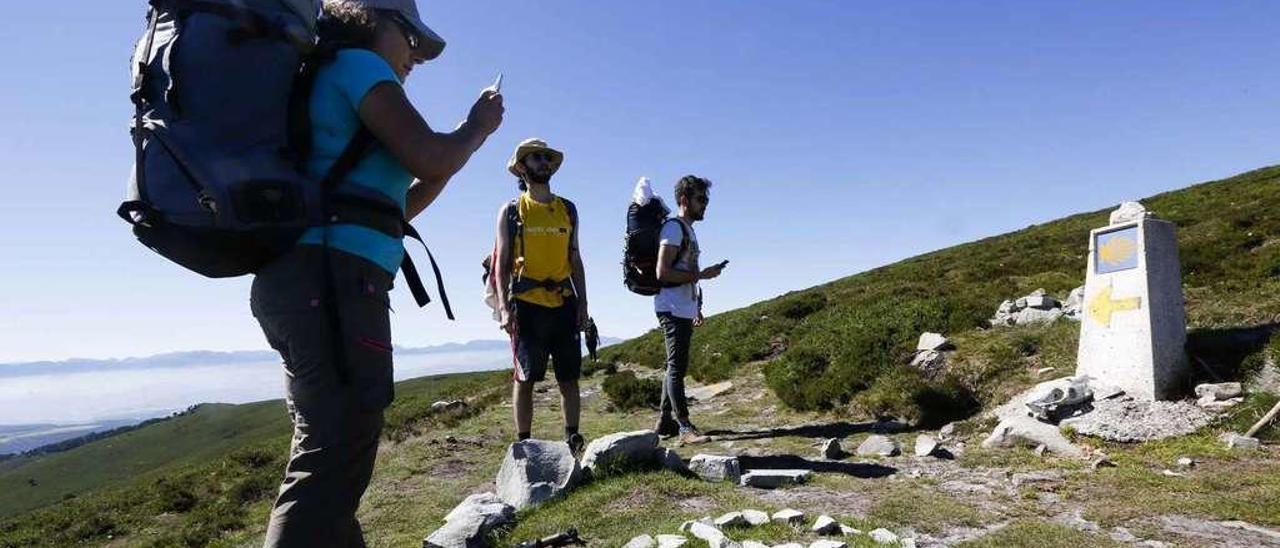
<point>1186,462</point>
<point>671,541</point>
<point>754,544</point>
<point>789,516</point>
<point>929,361</point>
<point>716,468</point>
<point>620,449</point>
<point>1034,316</point>
<point>831,449</point>
<point>925,445</point>
<point>708,533</point>
<point>1042,302</point>
<point>534,471</point>
<point>1220,391</point>
<point>878,445</point>
<point>828,543</point>
<point>948,431</point>
<point>846,530</point>
<point>825,525</point>
<point>731,519</point>
<point>755,517</point>
<point>1236,441</point>
<point>1026,431</point>
<point>770,479</point>
<point>883,536</point>
<point>642,541</point>
<point>1129,211</point>
<point>468,525</point>
<point>789,545</point>
<point>932,341</point>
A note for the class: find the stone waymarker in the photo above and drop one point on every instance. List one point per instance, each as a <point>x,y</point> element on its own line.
<point>1134,324</point>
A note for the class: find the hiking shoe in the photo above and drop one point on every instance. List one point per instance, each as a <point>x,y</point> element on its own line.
<point>690,435</point>
<point>576,443</point>
<point>666,427</point>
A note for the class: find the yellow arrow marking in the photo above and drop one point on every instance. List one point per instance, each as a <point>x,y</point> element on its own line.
<point>1102,306</point>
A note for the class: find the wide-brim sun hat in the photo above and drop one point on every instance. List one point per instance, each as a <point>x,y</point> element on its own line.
<point>430,44</point>
<point>529,146</point>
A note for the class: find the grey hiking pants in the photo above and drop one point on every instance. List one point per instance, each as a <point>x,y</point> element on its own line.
<point>678,334</point>
<point>336,405</point>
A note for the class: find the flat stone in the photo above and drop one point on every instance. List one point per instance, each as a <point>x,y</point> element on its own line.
<point>846,530</point>
<point>1220,391</point>
<point>671,541</point>
<point>535,471</point>
<point>732,519</point>
<point>1219,406</point>
<point>769,479</point>
<point>925,445</point>
<point>828,543</point>
<point>1030,432</point>
<point>1037,478</point>
<point>620,449</point>
<point>642,541</point>
<point>709,533</point>
<point>932,341</point>
<point>947,431</point>
<point>831,449</point>
<point>688,525</point>
<point>929,361</point>
<point>755,517</point>
<point>1236,441</point>
<point>878,445</point>
<point>468,525</point>
<point>1042,302</point>
<point>789,516</point>
<point>789,545</point>
<point>704,393</point>
<point>1129,420</point>
<point>716,468</point>
<point>825,525</point>
<point>1034,316</point>
<point>883,536</point>
<point>754,544</point>
<point>1186,462</point>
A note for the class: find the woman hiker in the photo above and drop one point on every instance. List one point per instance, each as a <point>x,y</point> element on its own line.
<point>338,358</point>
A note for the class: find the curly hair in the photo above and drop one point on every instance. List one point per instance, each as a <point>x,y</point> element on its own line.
<point>689,184</point>
<point>345,24</point>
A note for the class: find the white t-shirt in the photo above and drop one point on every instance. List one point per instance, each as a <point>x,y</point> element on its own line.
<point>680,301</point>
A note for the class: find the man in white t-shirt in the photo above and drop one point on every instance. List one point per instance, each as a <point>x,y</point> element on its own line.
<point>679,308</point>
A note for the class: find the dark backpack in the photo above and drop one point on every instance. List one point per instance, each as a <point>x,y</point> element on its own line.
<point>220,132</point>
<point>640,253</point>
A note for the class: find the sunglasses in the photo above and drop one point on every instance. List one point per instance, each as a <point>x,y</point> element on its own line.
<point>408,30</point>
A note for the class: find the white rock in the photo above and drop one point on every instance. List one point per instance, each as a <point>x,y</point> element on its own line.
<point>947,431</point>
<point>1236,441</point>
<point>1129,211</point>
<point>754,544</point>
<point>1042,302</point>
<point>846,530</point>
<point>468,525</point>
<point>1029,432</point>
<point>716,468</point>
<point>907,543</point>
<point>642,541</point>
<point>1219,391</point>
<point>755,517</point>
<point>789,545</point>
<point>929,361</point>
<point>825,525</point>
<point>883,536</point>
<point>831,449</point>
<point>1033,316</point>
<point>709,533</point>
<point>828,543</point>
<point>534,471</point>
<point>925,445</point>
<point>769,479</point>
<point>732,519</point>
<point>671,541</point>
<point>878,445</point>
<point>789,516</point>
<point>620,448</point>
<point>931,341</point>
<point>1186,462</point>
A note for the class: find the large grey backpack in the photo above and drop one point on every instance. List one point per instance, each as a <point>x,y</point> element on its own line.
<point>217,185</point>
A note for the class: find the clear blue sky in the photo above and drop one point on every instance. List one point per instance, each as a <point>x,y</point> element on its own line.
<point>840,136</point>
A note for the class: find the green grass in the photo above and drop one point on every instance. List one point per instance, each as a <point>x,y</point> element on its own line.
<point>848,341</point>
<point>1040,534</point>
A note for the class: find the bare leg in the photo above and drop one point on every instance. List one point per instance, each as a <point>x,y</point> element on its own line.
<point>522,408</point>
<point>571,401</point>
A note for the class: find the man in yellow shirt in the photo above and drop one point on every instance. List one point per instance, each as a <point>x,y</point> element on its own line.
<point>541,287</point>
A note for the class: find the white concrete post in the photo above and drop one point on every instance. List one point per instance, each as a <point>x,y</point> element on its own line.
<point>1134,325</point>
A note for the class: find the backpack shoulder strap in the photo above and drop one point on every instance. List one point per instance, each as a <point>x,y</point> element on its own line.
<point>684,232</point>
<point>573,212</point>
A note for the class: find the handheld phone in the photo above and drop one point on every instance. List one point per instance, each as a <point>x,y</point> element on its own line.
<point>722,264</point>
<point>497,84</point>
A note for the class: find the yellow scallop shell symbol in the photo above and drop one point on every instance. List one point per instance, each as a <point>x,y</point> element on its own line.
<point>1117,250</point>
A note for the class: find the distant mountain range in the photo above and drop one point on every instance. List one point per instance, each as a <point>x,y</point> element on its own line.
<point>212,357</point>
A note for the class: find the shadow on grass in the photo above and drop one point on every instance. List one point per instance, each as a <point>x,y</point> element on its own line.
<point>793,462</point>
<point>1220,354</point>
<point>826,430</point>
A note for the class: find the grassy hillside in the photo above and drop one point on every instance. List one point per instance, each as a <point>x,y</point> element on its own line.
<point>846,344</point>
<point>188,480</point>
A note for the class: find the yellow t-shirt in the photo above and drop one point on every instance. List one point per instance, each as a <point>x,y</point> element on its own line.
<point>548,230</point>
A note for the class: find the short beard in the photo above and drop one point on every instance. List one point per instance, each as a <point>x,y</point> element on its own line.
<point>538,178</point>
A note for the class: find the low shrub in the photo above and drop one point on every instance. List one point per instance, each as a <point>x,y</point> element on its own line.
<point>626,391</point>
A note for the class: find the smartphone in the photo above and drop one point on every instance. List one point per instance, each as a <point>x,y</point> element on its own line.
<point>722,264</point>
<point>497,84</point>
